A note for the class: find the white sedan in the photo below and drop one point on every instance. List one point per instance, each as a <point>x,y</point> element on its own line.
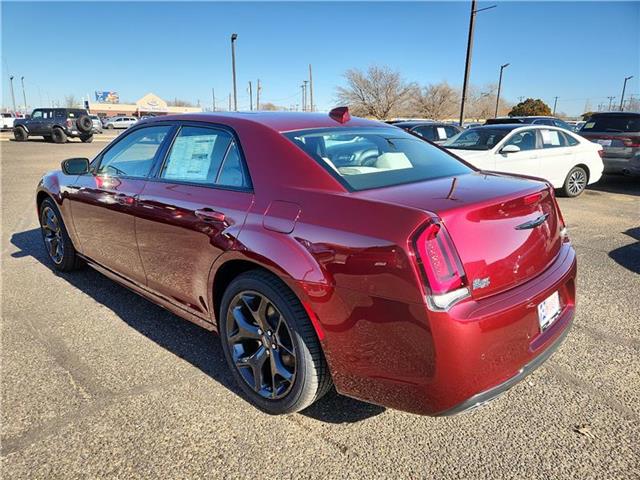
<point>568,161</point>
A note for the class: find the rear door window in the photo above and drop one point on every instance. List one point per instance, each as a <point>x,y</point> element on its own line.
<point>196,155</point>
<point>425,131</point>
<point>525,140</point>
<point>553,139</point>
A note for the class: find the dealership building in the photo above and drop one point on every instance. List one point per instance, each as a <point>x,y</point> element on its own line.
<point>150,104</point>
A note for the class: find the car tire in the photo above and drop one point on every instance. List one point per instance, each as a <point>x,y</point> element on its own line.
<point>56,240</point>
<point>263,322</point>
<point>58,135</point>
<point>575,183</point>
<point>86,138</point>
<point>84,123</point>
<point>20,134</point>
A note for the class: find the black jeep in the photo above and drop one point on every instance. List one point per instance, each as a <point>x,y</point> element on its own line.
<point>55,124</point>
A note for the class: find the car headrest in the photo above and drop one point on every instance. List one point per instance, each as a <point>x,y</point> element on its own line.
<point>393,161</point>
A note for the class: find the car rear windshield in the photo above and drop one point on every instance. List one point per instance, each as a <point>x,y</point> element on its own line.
<point>76,113</point>
<point>612,123</point>
<point>362,159</point>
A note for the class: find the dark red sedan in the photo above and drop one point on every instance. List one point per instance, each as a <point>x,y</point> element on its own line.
<point>325,250</point>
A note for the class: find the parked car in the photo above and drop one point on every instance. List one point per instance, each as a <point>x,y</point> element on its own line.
<point>563,158</point>
<point>97,123</point>
<point>619,135</point>
<point>6,120</point>
<point>120,122</point>
<point>435,132</point>
<point>55,124</point>
<point>471,125</point>
<point>539,120</point>
<point>325,250</point>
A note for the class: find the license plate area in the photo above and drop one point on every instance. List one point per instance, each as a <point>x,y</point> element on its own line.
<point>548,311</point>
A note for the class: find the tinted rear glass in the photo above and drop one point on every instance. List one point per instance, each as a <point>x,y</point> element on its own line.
<point>379,157</point>
<point>612,123</point>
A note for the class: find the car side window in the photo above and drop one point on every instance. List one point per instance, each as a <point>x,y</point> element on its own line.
<point>196,155</point>
<point>232,173</point>
<point>525,140</point>
<point>572,142</point>
<point>133,156</point>
<point>553,139</point>
<point>425,132</point>
<point>36,115</point>
<point>451,131</point>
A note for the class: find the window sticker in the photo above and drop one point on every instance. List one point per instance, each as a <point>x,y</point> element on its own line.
<point>442,134</point>
<point>589,125</point>
<point>550,137</point>
<point>190,157</point>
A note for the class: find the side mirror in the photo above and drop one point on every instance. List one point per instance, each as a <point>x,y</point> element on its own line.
<point>75,166</point>
<point>510,149</point>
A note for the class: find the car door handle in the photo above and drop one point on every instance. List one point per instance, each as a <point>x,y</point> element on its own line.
<point>124,199</point>
<point>209,215</point>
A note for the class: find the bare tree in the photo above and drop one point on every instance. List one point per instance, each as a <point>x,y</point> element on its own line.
<point>437,101</point>
<point>268,106</point>
<point>379,92</point>
<point>70,101</point>
<point>482,102</point>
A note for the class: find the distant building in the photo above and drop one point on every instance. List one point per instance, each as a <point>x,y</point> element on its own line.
<point>150,104</point>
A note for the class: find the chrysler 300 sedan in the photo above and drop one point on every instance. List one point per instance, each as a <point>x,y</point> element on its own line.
<point>325,250</point>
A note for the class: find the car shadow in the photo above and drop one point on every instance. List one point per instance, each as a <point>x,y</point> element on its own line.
<point>623,184</point>
<point>629,255</point>
<point>184,339</point>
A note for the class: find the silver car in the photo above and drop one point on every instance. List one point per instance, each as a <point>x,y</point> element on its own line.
<point>97,124</point>
<point>121,122</point>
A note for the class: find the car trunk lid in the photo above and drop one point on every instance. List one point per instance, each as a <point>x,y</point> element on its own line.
<point>506,230</point>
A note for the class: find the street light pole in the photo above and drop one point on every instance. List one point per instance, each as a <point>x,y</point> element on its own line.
<point>258,88</point>
<point>304,106</point>
<point>502,67</point>
<point>467,67</point>
<point>213,97</point>
<point>303,100</point>
<point>310,88</point>
<point>250,96</point>
<point>24,95</point>
<point>624,87</point>
<point>234,37</point>
<point>555,103</point>
<point>13,97</point>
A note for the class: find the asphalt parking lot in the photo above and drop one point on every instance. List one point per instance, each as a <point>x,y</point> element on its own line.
<point>97,382</point>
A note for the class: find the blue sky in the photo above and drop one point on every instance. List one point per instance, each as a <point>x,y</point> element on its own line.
<point>578,51</point>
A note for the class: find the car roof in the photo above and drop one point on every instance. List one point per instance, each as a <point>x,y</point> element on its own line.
<point>517,126</point>
<point>278,121</point>
<point>416,124</point>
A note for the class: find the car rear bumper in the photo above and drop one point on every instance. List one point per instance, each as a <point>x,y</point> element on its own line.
<point>406,357</point>
<point>629,166</point>
<point>482,398</point>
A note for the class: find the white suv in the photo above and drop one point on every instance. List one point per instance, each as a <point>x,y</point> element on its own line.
<point>6,121</point>
<point>120,122</point>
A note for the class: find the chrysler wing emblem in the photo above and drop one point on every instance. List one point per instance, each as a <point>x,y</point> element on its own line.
<point>533,223</point>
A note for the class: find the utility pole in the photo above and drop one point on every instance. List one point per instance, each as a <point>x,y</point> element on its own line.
<point>213,97</point>
<point>467,67</point>
<point>229,102</point>
<point>303,100</point>
<point>555,103</point>
<point>234,37</point>
<point>258,88</point>
<point>610,102</point>
<point>311,87</point>
<point>624,87</point>
<point>502,67</point>
<point>24,95</point>
<point>13,97</point>
<point>250,96</point>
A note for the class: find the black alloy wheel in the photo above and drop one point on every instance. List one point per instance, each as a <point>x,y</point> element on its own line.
<point>270,344</point>
<point>52,234</point>
<point>261,345</point>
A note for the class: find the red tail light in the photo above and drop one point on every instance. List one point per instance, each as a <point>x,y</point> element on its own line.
<point>441,266</point>
<point>69,123</point>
